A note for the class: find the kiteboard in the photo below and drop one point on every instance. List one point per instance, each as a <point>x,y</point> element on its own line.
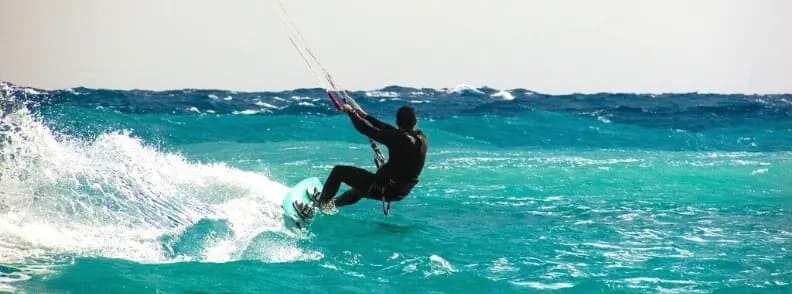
<point>301,193</point>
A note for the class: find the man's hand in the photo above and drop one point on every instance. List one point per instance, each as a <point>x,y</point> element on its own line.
<point>352,110</point>
<point>346,108</point>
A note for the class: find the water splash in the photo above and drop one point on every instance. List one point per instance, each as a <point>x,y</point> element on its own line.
<point>114,196</point>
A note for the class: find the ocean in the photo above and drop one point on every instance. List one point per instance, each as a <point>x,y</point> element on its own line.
<point>136,191</point>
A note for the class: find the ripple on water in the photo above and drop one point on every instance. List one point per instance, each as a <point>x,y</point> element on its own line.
<point>543,286</point>
<point>502,265</point>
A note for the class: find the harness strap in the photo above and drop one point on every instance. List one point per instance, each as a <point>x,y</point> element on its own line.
<point>386,208</point>
<point>379,159</point>
<point>376,189</point>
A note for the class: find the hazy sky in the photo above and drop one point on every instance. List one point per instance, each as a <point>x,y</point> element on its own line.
<point>552,46</point>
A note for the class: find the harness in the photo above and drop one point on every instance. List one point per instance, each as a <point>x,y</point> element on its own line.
<point>379,160</point>
<point>376,189</point>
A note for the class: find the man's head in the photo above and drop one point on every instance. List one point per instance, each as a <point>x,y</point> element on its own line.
<point>405,118</point>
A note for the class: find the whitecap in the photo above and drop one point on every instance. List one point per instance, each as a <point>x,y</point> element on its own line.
<point>463,88</point>
<point>378,93</point>
<point>696,239</point>
<point>759,171</point>
<point>6,87</point>
<point>502,265</point>
<point>410,268</point>
<point>603,119</point>
<point>652,280</point>
<point>544,286</point>
<point>628,216</point>
<point>297,163</point>
<point>306,104</point>
<point>439,266</point>
<point>601,245</point>
<point>246,112</point>
<point>503,94</point>
<point>554,198</point>
<point>265,104</point>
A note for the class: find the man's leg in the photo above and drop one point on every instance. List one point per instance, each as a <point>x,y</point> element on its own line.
<point>351,196</point>
<point>357,178</point>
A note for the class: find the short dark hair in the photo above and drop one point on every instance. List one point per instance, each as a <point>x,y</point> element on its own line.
<point>405,117</point>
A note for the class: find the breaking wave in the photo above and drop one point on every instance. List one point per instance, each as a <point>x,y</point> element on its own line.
<point>116,197</point>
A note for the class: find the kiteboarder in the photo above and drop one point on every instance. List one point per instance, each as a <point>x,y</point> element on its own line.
<point>394,180</point>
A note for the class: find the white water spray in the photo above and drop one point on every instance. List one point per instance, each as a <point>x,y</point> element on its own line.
<point>115,197</point>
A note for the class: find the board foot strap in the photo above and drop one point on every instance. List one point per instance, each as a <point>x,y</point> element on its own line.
<point>306,212</point>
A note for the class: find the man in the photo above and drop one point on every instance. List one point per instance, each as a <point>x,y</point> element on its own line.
<point>394,179</point>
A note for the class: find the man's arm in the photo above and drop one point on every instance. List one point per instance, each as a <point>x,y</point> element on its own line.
<point>372,132</point>
<point>378,123</point>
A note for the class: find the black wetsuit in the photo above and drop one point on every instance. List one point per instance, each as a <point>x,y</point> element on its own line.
<point>394,179</point>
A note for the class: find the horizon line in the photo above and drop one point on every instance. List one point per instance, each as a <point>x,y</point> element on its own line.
<point>402,86</point>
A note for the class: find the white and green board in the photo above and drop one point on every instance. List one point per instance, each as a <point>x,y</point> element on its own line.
<point>300,192</point>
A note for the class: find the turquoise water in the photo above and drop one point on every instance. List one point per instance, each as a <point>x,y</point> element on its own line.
<point>134,195</point>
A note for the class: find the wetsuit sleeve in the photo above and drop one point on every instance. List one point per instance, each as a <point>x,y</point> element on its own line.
<point>378,123</point>
<point>372,132</point>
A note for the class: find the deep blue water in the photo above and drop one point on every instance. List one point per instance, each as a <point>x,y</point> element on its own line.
<point>179,191</point>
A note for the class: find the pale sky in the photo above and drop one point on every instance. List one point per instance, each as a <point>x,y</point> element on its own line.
<point>550,46</point>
